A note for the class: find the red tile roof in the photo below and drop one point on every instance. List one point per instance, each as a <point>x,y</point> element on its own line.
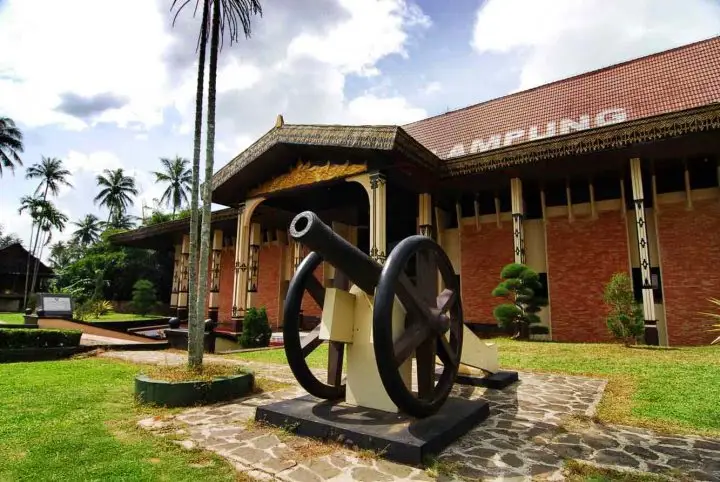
<point>670,81</point>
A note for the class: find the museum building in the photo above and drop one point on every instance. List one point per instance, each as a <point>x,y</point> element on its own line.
<point>614,170</point>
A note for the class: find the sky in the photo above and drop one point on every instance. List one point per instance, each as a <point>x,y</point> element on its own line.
<point>103,84</point>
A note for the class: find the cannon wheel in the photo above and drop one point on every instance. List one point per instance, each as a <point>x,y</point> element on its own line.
<point>297,349</point>
<point>433,326</point>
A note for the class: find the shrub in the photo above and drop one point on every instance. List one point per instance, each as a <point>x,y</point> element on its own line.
<point>38,338</point>
<point>143,296</point>
<point>92,308</point>
<point>520,286</point>
<point>625,319</point>
<point>256,329</point>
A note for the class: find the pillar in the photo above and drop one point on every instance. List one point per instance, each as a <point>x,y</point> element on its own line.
<point>378,239</point>
<point>253,262</point>
<point>242,252</point>
<point>425,211</point>
<point>184,281</point>
<point>214,296</point>
<point>518,213</point>
<point>643,242</point>
<point>176,277</point>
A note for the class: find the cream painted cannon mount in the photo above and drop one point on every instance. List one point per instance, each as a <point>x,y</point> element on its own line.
<point>385,319</point>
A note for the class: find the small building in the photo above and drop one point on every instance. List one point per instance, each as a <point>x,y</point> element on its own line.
<point>614,170</point>
<point>13,270</point>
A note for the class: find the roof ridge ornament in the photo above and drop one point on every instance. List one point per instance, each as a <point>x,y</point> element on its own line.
<point>279,121</point>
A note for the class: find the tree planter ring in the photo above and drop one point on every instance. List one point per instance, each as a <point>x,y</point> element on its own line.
<point>193,392</point>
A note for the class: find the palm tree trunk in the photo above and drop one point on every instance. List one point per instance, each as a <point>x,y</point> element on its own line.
<point>209,160</point>
<point>27,267</point>
<point>33,252</point>
<point>37,264</point>
<point>195,330</point>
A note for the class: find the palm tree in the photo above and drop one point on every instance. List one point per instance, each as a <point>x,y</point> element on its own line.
<point>11,144</point>
<point>50,218</point>
<point>88,231</point>
<point>179,177</point>
<point>60,254</point>
<point>117,191</point>
<point>121,221</point>
<point>52,176</point>
<point>230,14</point>
<point>6,239</point>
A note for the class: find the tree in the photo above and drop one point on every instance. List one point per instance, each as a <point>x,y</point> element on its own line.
<point>52,175</point>
<point>8,239</point>
<point>625,319</point>
<point>178,177</point>
<point>143,298</point>
<point>116,191</point>
<point>229,14</point>
<point>122,222</point>
<point>63,253</point>
<point>521,287</point>
<point>11,145</point>
<point>88,231</point>
<point>256,329</point>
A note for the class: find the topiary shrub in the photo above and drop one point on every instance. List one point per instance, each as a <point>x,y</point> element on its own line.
<point>520,286</point>
<point>143,296</point>
<point>256,329</point>
<point>625,319</point>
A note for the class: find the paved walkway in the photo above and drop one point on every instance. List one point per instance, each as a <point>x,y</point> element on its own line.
<point>533,427</point>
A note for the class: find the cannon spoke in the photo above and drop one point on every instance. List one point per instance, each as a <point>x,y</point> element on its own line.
<point>446,352</point>
<point>415,303</point>
<point>425,358</point>
<point>446,300</point>
<point>408,342</point>
<point>315,288</point>
<point>310,341</point>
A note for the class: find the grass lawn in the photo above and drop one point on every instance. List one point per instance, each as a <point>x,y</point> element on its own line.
<point>13,318</point>
<point>17,318</point>
<point>670,390</point>
<point>75,420</point>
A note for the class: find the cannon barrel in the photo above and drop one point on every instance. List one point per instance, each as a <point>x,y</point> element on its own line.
<point>308,229</point>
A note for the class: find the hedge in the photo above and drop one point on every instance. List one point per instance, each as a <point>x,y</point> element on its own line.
<point>38,338</point>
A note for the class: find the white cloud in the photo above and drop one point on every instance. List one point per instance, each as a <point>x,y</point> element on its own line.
<point>84,47</point>
<point>93,163</point>
<point>560,38</point>
<point>374,30</point>
<point>368,109</point>
<point>432,88</point>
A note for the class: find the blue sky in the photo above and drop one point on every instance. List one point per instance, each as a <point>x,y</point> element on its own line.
<point>118,91</point>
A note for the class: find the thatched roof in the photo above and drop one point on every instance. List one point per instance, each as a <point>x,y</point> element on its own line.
<point>285,144</point>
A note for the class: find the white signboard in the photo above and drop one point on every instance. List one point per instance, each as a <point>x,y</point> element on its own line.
<point>55,304</point>
<point>532,133</point>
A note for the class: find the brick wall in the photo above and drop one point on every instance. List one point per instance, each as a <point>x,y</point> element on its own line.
<point>582,257</point>
<point>270,261</point>
<point>483,254</point>
<point>227,279</point>
<point>690,256</point>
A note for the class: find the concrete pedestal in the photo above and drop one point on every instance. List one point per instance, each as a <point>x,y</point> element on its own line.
<point>394,436</point>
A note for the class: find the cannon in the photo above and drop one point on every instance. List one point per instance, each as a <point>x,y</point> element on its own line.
<point>383,319</point>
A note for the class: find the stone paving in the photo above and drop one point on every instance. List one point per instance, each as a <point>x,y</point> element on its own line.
<point>534,426</point>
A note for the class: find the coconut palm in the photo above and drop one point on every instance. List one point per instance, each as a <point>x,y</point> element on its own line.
<point>121,221</point>
<point>11,145</point>
<point>52,175</point>
<point>88,230</point>
<point>233,15</point>
<point>50,218</point>
<point>116,191</point>
<point>178,177</point>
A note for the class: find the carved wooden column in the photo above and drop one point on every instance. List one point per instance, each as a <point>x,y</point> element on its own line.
<point>253,262</point>
<point>643,242</point>
<point>176,277</point>
<point>214,292</point>
<point>518,214</point>
<point>242,252</point>
<point>378,234</point>
<point>425,212</point>
<point>184,281</point>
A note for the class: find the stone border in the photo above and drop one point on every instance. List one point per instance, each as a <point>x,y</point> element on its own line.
<point>193,392</point>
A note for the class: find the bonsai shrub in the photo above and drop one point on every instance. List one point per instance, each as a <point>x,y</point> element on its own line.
<point>143,296</point>
<point>256,329</point>
<point>625,320</point>
<point>38,338</point>
<point>520,286</point>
